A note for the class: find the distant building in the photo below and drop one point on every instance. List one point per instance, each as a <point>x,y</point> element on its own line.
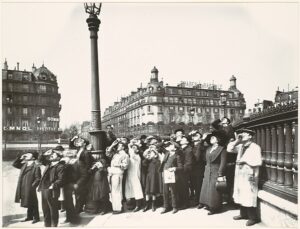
<point>260,106</point>
<point>30,105</point>
<point>282,97</point>
<point>160,109</point>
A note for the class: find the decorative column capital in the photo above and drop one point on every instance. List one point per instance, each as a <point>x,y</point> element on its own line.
<point>93,23</point>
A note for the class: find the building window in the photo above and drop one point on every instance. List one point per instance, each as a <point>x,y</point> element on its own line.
<point>207,110</point>
<point>172,108</point>
<point>189,101</point>
<point>199,110</point>
<point>171,100</point>
<point>232,111</point>
<point>43,111</point>
<point>166,99</point>
<point>175,100</point>
<point>25,98</point>
<point>160,109</point>
<point>25,111</point>
<point>10,76</point>
<point>197,93</point>
<point>216,110</point>
<point>10,87</point>
<point>9,110</point>
<point>181,109</point>
<point>25,87</point>
<point>179,91</point>
<point>189,92</point>
<point>43,88</point>
<point>25,123</point>
<point>241,112</point>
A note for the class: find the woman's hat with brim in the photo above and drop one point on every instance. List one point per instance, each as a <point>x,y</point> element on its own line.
<point>245,130</point>
<point>220,135</point>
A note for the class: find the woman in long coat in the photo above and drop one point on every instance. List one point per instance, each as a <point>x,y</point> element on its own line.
<point>215,156</point>
<point>133,187</point>
<point>153,183</point>
<point>98,185</point>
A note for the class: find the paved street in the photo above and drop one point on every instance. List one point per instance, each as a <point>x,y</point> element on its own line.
<point>13,214</point>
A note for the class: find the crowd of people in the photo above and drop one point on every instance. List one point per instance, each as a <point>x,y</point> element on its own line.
<point>185,170</point>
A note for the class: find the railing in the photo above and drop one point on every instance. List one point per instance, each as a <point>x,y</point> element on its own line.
<point>277,133</point>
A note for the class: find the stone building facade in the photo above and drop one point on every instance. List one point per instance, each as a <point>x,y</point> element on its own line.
<point>30,105</point>
<point>160,109</point>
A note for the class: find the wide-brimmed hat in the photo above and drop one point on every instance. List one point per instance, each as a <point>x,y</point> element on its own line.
<point>220,135</point>
<point>245,130</point>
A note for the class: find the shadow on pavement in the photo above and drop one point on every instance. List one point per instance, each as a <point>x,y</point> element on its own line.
<point>6,220</point>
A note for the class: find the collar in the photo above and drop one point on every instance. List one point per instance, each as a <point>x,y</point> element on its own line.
<point>29,163</point>
<point>54,163</point>
<point>247,144</point>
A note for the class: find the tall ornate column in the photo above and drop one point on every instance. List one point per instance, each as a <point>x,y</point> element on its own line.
<point>295,161</point>
<point>280,158</point>
<point>98,137</point>
<point>268,153</point>
<point>288,160</point>
<point>263,150</point>
<point>274,155</point>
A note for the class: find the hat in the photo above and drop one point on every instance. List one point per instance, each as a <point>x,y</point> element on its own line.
<point>216,124</point>
<point>219,134</point>
<point>180,129</point>
<point>245,130</point>
<point>34,154</point>
<point>168,143</point>
<point>59,148</point>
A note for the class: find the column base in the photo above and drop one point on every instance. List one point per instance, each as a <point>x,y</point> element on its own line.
<point>98,140</point>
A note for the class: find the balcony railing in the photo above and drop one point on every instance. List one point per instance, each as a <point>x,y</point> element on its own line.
<point>277,133</point>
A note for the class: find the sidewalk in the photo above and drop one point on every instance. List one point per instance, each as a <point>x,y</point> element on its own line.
<point>189,218</point>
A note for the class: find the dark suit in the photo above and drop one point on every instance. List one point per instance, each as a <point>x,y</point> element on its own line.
<point>184,175</point>
<point>29,179</point>
<point>53,175</point>
<point>81,168</point>
<point>169,162</point>
<point>198,168</point>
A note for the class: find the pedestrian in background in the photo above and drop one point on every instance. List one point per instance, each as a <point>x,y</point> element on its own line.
<point>29,178</point>
<point>248,162</point>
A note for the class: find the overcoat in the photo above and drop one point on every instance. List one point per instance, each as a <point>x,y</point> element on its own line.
<point>246,175</point>
<point>153,184</point>
<point>29,179</point>
<point>133,187</point>
<point>98,183</point>
<point>215,166</point>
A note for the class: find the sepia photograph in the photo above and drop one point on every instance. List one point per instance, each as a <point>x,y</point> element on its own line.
<point>149,114</point>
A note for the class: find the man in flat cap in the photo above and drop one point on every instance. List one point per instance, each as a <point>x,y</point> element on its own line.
<point>248,161</point>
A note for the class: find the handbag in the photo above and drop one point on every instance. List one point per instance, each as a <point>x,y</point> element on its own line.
<point>221,184</point>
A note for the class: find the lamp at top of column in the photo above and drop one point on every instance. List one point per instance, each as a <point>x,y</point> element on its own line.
<point>98,137</point>
<point>192,113</point>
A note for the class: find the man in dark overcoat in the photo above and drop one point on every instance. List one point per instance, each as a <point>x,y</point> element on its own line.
<point>29,178</point>
<point>50,184</point>
<point>183,183</point>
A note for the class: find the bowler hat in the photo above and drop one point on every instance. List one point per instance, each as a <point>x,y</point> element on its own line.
<point>180,129</point>
<point>59,148</point>
<point>245,130</point>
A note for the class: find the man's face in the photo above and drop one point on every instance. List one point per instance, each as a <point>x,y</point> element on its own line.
<point>179,134</point>
<point>184,142</point>
<point>196,137</point>
<point>54,157</point>
<point>28,157</point>
<point>153,141</point>
<point>213,140</point>
<point>246,136</point>
<point>109,129</point>
<point>171,148</point>
<point>120,147</point>
<point>124,140</point>
<point>135,148</point>
<point>224,122</point>
<point>79,142</point>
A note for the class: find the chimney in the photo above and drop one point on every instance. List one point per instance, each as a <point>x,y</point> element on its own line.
<point>5,66</point>
<point>33,67</point>
<point>18,66</point>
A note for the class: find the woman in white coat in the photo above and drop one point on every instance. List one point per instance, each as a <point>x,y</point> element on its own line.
<point>248,161</point>
<point>133,187</point>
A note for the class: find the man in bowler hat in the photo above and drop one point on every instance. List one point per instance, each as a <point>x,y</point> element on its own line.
<point>29,178</point>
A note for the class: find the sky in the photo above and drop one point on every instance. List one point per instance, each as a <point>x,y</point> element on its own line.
<point>200,42</point>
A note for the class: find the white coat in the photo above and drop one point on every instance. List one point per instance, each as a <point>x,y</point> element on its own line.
<point>133,187</point>
<point>246,175</point>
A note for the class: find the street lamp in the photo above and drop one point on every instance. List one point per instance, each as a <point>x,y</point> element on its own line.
<point>192,113</point>
<point>38,125</point>
<point>98,137</point>
<point>223,98</point>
